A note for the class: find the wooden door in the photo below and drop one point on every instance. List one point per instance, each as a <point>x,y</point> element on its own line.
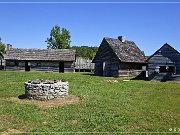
<point>107,68</point>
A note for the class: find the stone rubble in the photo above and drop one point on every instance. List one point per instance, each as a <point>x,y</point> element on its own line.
<point>46,89</point>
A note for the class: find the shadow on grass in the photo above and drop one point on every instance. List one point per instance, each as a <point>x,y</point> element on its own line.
<point>91,74</point>
<point>23,96</point>
<point>141,76</point>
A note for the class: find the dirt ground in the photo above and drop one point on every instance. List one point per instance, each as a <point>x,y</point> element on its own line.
<point>71,99</point>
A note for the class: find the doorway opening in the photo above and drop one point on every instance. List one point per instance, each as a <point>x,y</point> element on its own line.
<point>61,66</point>
<point>27,66</point>
<point>167,69</point>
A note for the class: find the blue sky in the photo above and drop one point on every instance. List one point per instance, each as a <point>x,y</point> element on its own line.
<point>149,25</point>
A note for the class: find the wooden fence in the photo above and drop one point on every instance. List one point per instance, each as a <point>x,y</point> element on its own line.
<point>83,64</point>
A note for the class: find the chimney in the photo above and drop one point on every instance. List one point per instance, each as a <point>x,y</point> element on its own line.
<point>8,47</point>
<point>121,38</point>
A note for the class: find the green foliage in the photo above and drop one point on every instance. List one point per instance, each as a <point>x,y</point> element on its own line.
<point>59,39</point>
<point>85,51</point>
<point>106,105</point>
<point>2,46</point>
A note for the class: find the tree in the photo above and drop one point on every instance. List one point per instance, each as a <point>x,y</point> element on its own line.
<point>85,51</point>
<point>59,39</point>
<point>2,46</point>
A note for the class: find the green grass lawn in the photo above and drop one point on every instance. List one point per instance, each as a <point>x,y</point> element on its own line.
<point>106,105</point>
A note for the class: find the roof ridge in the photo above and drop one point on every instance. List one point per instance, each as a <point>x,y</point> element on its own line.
<point>41,54</point>
<point>166,44</point>
<point>36,49</point>
<point>126,51</point>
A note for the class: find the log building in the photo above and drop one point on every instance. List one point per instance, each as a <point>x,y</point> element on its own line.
<point>58,60</point>
<point>118,57</point>
<point>164,63</point>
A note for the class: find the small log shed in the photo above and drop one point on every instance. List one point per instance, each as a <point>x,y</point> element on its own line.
<point>118,58</point>
<point>163,63</point>
<point>58,60</point>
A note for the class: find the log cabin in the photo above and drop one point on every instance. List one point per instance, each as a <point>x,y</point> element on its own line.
<point>118,58</point>
<point>57,60</point>
<point>164,63</point>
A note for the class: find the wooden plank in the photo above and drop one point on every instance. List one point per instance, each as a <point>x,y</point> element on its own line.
<point>84,63</point>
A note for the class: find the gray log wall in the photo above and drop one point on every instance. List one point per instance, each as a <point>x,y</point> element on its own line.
<point>69,66</point>
<point>105,59</point>
<point>39,66</point>
<point>117,69</point>
<point>98,68</point>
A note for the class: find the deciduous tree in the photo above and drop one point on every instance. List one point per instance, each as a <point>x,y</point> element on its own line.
<point>59,39</point>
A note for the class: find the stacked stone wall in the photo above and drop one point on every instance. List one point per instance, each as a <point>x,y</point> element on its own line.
<point>46,89</point>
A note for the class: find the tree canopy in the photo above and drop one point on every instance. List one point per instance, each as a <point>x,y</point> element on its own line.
<point>59,38</point>
<point>85,51</point>
<point>2,46</point>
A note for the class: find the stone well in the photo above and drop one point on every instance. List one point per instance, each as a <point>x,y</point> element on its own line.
<point>46,89</point>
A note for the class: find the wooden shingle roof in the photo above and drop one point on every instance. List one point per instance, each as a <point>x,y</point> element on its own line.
<point>40,54</point>
<point>125,51</point>
<point>166,51</point>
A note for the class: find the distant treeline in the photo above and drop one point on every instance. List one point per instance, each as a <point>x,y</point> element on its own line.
<point>85,51</point>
